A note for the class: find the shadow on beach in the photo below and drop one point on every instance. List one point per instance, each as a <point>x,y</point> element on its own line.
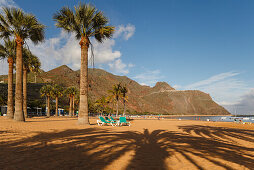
<point>98,148</point>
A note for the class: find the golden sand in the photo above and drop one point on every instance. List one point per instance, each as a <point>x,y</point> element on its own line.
<point>59,143</point>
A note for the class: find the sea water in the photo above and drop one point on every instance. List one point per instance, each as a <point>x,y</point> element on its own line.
<point>216,118</point>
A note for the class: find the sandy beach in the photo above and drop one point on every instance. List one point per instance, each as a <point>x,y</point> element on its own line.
<point>59,143</point>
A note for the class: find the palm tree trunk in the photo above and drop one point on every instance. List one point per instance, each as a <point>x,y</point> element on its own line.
<point>56,106</point>
<point>113,108</point>
<point>83,118</point>
<point>116,108</point>
<point>73,105</point>
<point>19,114</point>
<point>25,91</point>
<point>70,108</point>
<point>124,107</point>
<point>48,111</point>
<point>10,109</point>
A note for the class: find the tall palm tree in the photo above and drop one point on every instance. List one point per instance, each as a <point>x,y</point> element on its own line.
<point>47,91</point>
<point>8,51</point>
<point>15,23</point>
<point>124,91</point>
<point>57,92</point>
<point>116,92</point>
<point>85,22</point>
<point>31,63</point>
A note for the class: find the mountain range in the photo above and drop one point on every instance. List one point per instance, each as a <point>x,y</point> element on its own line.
<point>161,99</point>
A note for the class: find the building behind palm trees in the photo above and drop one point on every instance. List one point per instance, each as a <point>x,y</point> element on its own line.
<point>3,110</point>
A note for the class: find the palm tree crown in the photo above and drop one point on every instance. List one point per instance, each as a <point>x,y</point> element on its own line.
<point>71,91</point>
<point>124,91</point>
<point>57,91</point>
<point>116,91</point>
<point>14,22</point>
<point>46,90</point>
<point>31,62</point>
<point>8,49</point>
<point>84,21</point>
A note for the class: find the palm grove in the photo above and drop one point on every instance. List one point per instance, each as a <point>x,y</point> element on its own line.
<point>16,26</point>
<point>105,104</point>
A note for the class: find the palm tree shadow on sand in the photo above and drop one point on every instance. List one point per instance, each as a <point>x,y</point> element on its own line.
<point>98,148</point>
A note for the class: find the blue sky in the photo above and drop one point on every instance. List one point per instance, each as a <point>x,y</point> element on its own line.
<point>190,44</point>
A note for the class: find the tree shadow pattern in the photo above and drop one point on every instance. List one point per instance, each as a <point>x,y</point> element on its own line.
<point>98,148</point>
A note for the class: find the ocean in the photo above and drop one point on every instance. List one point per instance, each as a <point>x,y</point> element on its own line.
<point>216,118</point>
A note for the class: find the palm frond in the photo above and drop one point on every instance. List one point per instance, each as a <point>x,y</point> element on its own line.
<point>14,22</point>
<point>64,19</point>
<point>31,62</point>
<point>57,91</point>
<point>5,29</point>
<point>3,22</point>
<point>2,52</point>
<point>46,90</point>
<point>103,33</point>
<point>85,20</point>
<point>8,49</point>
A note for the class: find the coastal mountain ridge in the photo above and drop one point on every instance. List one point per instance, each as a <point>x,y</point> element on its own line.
<point>161,99</point>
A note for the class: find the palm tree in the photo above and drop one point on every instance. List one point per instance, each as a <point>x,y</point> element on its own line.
<point>74,94</point>
<point>15,23</point>
<point>31,63</point>
<point>71,92</point>
<point>116,92</point>
<point>8,51</point>
<point>57,92</point>
<point>86,22</point>
<point>47,91</point>
<point>111,99</point>
<point>102,103</point>
<point>124,91</point>
<point>67,92</point>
